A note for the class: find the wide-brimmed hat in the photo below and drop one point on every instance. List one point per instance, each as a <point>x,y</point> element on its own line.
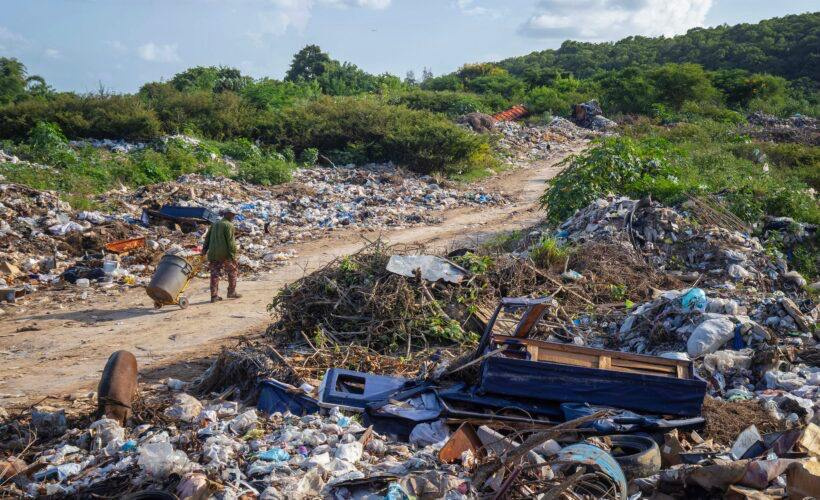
<point>228,212</point>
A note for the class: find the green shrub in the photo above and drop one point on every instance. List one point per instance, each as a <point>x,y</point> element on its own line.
<point>266,171</point>
<point>548,252</point>
<point>241,149</point>
<point>447,102</point>
<point>309,157</point>
<point>369,129</point>
<point>115,117</point>
<point>672,163</point>
<point>619,165</point>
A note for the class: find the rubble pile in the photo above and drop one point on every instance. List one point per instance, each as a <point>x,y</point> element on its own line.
<point>590,115</point>
<point>42,237</point>
<point>228,450</point>
<point>522,143</point>
<point>797,128</point>
<point>672,242</point>
<point>375,196</point>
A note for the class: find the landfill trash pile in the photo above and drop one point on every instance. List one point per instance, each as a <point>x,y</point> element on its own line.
<point>213,447</point>
<point>744,320</point>
<point>671,242</point>
<point>42,237</point>
<point>590,115</point>
<point>375,196</point>
<point>522,143</point>
<point>797,128</point>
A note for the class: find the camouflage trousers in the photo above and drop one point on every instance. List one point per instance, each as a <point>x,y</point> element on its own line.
<point>217,267</point>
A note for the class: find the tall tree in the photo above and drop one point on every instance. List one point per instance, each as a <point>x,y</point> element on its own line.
<point>308,64</point>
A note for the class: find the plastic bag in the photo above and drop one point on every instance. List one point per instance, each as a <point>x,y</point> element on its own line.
<point>160,459</point>
<point>694,298</point>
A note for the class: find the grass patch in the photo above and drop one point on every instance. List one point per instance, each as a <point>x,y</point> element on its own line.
<point>548,252</point>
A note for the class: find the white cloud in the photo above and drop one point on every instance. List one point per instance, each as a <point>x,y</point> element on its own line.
<point>373,4</point>
<point>282,15</point>
<point>470,8</point>
<point>52,53</point>
<point>10,40</point>
<point>614,19</point>
<point>158,53</point>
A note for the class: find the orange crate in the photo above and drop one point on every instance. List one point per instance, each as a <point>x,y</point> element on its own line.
<point>123,246</point>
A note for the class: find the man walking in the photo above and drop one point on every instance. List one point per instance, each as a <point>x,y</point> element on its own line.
<point>220,247</point>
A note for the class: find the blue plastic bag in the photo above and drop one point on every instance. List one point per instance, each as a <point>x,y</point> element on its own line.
<point>694,298</point>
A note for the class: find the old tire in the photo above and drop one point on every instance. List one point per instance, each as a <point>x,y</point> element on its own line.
<point>183,302</point>
<point>638,456</point>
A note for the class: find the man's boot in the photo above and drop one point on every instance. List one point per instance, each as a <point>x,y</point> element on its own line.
<point>215,298</point>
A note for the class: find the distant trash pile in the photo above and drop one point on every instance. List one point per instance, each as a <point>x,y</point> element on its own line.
<point>44,242</point>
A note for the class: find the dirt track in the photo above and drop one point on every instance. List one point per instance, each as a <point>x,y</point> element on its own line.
<point>69,350</point>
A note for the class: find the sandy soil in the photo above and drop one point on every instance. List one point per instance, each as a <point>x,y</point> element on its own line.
<point>66,352</point>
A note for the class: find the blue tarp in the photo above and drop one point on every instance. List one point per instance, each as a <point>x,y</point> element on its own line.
<point>275,396</point>
<point>177,212</point>
<point>547,381</point>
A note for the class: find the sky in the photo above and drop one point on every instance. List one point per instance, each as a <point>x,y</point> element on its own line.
<point>80,45</point>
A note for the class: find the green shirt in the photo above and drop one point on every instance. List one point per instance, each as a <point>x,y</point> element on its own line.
<point>220,243</point>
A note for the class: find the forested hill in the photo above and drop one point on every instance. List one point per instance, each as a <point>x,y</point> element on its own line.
<point>785,46</point>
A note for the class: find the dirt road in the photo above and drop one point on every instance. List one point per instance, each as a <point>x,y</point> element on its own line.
<point>72,342</point>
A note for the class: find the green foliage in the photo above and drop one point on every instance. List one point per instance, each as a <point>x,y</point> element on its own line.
<point>241,149</point>
<point>309,157</point>
<point>115,117</point>
<point>618,291</point>
<point>308,64</point>
<point>210,79</point>
<point>371,129</point>
<point>677,83</point>
<point>627,91</point>
<point>448,330</point>
<point>614,165</point>
<point>12,80</point>
<point>476,264</point>
<point>273,94</point>
<point>671,164</point>
<point>503,242</point>
<point>548,252</point>
<point>448,102</point>
<point>265,171</point>
<point>786,46</point>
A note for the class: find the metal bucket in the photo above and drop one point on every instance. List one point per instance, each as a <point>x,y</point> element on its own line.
<point>169,279</point>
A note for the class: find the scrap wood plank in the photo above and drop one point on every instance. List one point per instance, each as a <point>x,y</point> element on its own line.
<point>590,357</point>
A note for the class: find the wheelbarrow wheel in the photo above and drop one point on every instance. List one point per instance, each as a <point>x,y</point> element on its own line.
<point>157,304</point>
<point>183,302</point>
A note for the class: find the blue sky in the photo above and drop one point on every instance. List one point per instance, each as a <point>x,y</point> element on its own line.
<point>78,44</point>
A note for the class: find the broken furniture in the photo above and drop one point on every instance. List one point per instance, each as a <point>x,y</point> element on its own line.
<point>567,373</point>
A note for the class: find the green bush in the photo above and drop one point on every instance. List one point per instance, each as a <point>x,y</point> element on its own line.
<point>619,165</point>
<point>671,164</point>
<point>370,129</point>
<point>447,102</point>
<point>241,149</point>
<point>266,171</point>
<point>114,117</point>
